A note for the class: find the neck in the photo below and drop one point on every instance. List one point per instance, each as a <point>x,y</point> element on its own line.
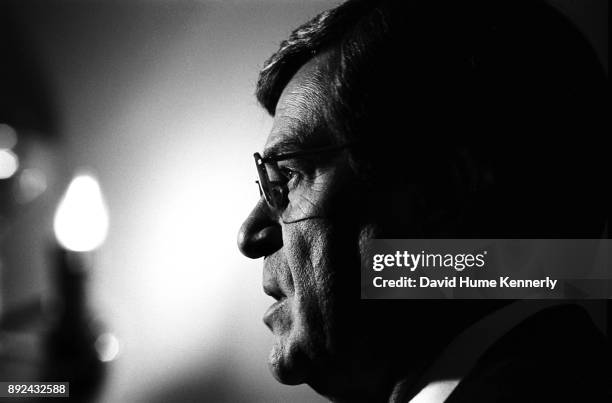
<point>396,368</point>
<point>411,336</point>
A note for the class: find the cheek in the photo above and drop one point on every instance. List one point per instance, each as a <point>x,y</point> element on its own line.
<point>311,272</point>
<point>325,275</point>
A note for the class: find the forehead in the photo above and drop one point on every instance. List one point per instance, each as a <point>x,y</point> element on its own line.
<point>298,115</point>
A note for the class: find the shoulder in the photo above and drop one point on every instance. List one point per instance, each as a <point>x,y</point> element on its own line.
<point>557,355</point>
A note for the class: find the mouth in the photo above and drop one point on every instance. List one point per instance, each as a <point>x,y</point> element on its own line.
<point>272,289</point>
<point>273,314</point>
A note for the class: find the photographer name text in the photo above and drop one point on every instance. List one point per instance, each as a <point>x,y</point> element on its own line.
<point>464,282</point>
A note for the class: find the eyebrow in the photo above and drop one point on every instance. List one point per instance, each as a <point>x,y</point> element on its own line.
<point>302,138</point>
<point>287,145</point>
<point>310,151</point>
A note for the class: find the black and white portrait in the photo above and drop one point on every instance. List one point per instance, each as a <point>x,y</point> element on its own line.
<point>290,201</point>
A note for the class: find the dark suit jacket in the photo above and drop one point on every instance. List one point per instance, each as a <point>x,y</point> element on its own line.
<point>557,355</point>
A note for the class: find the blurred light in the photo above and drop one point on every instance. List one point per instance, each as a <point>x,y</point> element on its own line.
<point>8,136</point>
<point>32,183</point>
<point>81,220</point>
<point>9,163</point>
<point>107,347</point>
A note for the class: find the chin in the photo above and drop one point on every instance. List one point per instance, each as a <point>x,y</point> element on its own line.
<point>288,364</point>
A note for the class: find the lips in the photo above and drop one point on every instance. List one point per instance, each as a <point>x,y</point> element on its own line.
<point>270,281</point>
<point>274,312</point>
<point>278,286</point>
<point>272,289</point>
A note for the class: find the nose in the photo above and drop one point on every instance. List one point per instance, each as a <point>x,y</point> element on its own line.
<point>260,234</point>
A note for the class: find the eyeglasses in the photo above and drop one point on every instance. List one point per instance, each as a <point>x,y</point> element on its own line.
<point>273,184</point>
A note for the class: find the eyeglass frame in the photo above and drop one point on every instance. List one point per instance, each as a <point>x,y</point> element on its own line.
<point>281,201</point>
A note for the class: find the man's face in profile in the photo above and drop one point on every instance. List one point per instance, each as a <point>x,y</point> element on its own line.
<point>311,252</point>
<point>469,64</point>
